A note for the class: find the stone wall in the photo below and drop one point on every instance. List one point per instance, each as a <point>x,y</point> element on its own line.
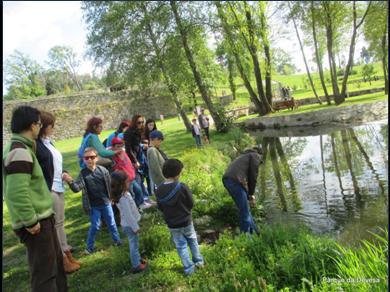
<point>343,115</point>
<point>73,112</point>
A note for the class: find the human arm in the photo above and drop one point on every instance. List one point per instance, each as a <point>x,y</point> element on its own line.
<point>253,171</point>
<point>102,151</point>
<point>75,185</point>
<point>128,137</point>
<point>188,196</point>
<point>156,161</point>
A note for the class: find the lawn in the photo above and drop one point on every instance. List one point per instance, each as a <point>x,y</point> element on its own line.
<point>287,258</point>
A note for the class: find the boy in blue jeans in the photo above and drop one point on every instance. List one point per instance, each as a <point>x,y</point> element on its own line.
<point>174,199</point>
<point>95,181</point>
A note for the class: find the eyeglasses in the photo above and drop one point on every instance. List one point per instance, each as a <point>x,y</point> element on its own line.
<point>140,122</point>
<point>39,123</point>
<point>90,157</point>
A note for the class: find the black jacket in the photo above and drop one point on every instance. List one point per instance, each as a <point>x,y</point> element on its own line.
<point>175,201</point>
<point>45,159</point>
<point>132,139</point>
<point>244,169</point>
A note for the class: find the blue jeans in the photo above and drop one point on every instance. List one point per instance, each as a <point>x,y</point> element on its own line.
<point>135,257</point>
<point>198,140</point>
<point>108,216</point>
<point>240,197</point>
<point>187,236</point>
<point>136,191</point>
<point>140,180</point>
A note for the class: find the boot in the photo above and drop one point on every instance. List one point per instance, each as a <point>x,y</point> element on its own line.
<point>70,267</point>
<point>68,254</point>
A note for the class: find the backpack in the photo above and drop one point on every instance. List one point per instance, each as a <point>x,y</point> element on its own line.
<point>80,152</point>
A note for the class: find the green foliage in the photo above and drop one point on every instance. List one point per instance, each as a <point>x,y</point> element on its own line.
<point>239,141</point>
<point>367,71</point>
<point>156,240</point>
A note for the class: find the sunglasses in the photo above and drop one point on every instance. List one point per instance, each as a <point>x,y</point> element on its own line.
<point>140,122</point>
<point>90,157</point>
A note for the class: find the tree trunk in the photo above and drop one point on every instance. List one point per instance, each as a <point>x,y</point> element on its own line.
<point>228,35</point>
<point>323,174</point>
<point>385,65</point>
<point>256,64</point>
<point>194,98</point>
<point>341,97</point>
<point>263,169</point>
<point>231,78</point>
<point>203,91</point>
<point>318,59</point>
<point>167,79</point>
<point>304,60</point>
<point>332,66</point>
<point>268,77</point>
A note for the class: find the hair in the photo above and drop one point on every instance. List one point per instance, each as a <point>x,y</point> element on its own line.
<point>47,119</point>
<point>147,131</point>
<point>194,120</point>
<point>90,149</point>
<point>92,125</point>
<point>118,185</point>
<point>23,117</point>
<point>134,123</point>
<point>172,168</point>
<point>122,125</point>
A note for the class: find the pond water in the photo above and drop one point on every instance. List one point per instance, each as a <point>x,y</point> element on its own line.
<point>334,181</point>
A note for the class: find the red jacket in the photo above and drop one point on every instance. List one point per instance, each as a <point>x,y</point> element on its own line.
<point>124,164</point>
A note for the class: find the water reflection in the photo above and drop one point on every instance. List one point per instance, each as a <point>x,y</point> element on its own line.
<point>330,180</point>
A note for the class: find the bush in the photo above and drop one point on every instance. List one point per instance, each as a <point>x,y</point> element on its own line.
<point>238,142</point>
<point>156,240</point>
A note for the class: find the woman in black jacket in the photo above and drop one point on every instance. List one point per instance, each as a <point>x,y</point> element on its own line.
<point>50,160</point>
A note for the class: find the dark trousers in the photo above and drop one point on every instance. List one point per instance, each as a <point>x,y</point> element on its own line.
<point>44,257</point>
<point>206,131</point>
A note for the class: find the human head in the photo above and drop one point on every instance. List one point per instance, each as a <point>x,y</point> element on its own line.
<point>172,168</point>
<point>26,119</point>
<point>94,126</point>
<point>194,121</point>
<point>48,121</point>
<point>117,143</point>
<point>138,122</point>
<point>90,157</point>
<point>119,184</point>
<point>150,125</point>
<point>156,137</point>
<point>202,110</point>
<point>123,126</point>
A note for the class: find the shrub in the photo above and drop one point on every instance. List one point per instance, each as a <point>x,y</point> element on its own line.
<point>155,240</point>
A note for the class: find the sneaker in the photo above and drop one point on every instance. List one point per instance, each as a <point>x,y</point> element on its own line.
<point>151,202</point>
<point>141,267</point>
<point>89,251</point>
<point>199,265</point>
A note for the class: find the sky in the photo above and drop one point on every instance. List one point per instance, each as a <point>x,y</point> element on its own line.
<point>34,27</point>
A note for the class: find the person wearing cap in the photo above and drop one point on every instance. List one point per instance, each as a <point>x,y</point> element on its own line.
<point>240,181</point>
<point>122,162</point>
<point>156,157</point>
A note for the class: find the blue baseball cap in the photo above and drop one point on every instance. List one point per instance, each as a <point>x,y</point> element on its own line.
<point>156,135</point>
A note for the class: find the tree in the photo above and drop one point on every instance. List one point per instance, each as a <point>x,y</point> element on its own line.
<point>238,28</point>
<point>376,33</point>
<point>132,37</point>
<point>283,63</point>
<point>64,59</point>
<point>367,72</point>
<point>23,76</point>
<point>217,116</point>
<point>227,61</point>
<point>294,10</point>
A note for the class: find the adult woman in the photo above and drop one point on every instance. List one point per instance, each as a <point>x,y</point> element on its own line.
<point>91,139</point>
<point>50,160</point>
<point>119,132</point>
<point>150,126</point>
<point>134,149</point>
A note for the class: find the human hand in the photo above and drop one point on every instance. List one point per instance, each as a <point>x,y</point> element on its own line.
<point>137,232</point>
<point>66,177</point>
<point>252,201</point>
<point>137,165</point>
<point>35,229</point>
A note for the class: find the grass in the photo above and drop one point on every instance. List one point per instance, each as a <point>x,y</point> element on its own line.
<point>282,258</point>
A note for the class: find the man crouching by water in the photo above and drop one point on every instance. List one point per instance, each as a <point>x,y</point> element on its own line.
<point>240,181</point>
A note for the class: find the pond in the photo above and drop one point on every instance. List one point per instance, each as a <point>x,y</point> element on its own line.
<point>334,181</point>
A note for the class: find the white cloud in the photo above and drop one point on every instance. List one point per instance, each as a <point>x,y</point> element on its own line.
<point>35,27</point>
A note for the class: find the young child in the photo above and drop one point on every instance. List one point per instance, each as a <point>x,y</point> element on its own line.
<point>122,162</point>
<point>196,132</point>
<point>156,157</point>
<point>95,181</point>
<point>129,216</point>
<point>174,199</point>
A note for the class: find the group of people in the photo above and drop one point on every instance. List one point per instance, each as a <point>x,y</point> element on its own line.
<point>200,128</point>
<point>111,180</point>
<point>286,92</point>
